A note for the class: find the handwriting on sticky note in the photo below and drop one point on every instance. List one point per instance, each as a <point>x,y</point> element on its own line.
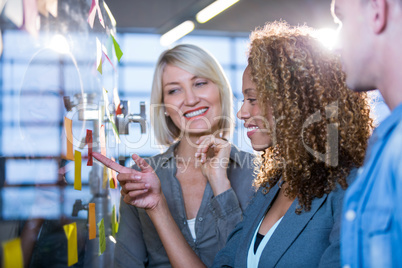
<point>102,239</point>
<point>77,170</point>
<point>12,254</point>
<point>68,126</point>
<point>91,221</point>
<point>71,233</point>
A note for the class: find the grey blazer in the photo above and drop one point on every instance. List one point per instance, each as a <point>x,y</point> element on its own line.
<point>311,239</point>
<point>138,243</point>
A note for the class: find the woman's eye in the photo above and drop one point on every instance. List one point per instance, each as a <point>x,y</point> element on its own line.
<point>251,100</point>
<point>172,91</point>
<point>200,84</point>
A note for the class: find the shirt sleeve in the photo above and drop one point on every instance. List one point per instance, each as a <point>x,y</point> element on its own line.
<point>226,212</point>
<point>130,249</point>
<point>226,256</point>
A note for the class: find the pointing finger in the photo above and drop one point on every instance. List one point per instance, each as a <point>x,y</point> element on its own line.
<point>110,163</point>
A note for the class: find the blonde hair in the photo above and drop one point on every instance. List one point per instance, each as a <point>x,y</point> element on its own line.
<point>200,63</point>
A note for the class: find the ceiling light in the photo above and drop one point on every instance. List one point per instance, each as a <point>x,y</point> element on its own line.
<point>214,9</point>
<point>176,33</point>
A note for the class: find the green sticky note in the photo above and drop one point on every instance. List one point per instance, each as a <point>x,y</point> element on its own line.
<point>115,225</point>
<point>117,49</point>
<point>102,239</point>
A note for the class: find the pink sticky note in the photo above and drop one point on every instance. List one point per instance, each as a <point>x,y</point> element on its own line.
<point>31,17</point>
<point>102,140</point>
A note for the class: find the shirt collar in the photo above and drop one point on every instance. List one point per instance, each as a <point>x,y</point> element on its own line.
<point>388,124</point>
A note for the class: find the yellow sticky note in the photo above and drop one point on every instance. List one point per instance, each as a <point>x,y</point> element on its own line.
<point>115,224</point>
<point>105,177</point>
<point>12,254</point>
<point>98,56</point>
<point>111,182</point>
<point>71,233</point>
<point>77,170</point>
<point>102,239</point>
<point>68,126</point>
<point>91,221</point>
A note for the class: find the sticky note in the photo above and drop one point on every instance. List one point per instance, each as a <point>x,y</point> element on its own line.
<point>51,6</point>
<point>102,140</point>
<point>91,221</point>
<point>14,11</point>
<point>113,177</point>
<point>105,177</point>
<point>117,49</point>
<point>12,254</point>
<point>71,233</point>
<point>116,101</point>
<point>102,239</point>
<point>95,9</point>
<point>77,170</point>
<point>109,13</point>
<point>31,17</point>
<point>98,55</point>
<point>68,126</point>
<point>110,115</point>
<point>115,225</point>
<point>88,141</point>
<point>47,6</point>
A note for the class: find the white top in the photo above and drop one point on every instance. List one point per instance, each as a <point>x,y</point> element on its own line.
<point>191,225</point>
<point>254,259</point>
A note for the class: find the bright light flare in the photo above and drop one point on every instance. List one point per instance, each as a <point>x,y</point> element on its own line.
<point>59,44</point>
<point>177,32</point>
<point>327,36</point>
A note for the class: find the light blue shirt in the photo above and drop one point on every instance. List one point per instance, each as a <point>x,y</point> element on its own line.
<point>372,213</point>
<point>254,258</point>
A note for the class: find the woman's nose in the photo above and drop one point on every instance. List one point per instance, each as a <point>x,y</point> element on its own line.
<point>243,113</point>
<point>191,98</point>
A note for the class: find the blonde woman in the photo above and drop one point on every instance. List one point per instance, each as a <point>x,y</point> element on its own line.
<point>191,109</point>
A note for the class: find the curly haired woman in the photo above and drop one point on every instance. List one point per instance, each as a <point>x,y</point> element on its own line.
<point>313,132</point>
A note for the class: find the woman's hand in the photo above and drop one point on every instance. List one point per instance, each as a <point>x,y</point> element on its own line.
<point>138,188</point>
<point>213,154</point>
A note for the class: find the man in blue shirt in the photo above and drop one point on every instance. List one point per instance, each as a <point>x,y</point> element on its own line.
<point>371,49</point>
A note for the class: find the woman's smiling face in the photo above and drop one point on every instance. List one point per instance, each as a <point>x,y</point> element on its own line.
<point>250,113</point>
<point>193,103</point>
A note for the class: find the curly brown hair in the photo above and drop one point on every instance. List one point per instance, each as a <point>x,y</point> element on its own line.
<point>321,127</point>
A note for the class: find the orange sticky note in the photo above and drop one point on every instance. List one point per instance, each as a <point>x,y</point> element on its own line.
<point>102,239</point>
<point>91,221</point>
<point>102,140</point>
<point>68,126</point>
<point>12,254</point>
<point>77,170</point>
<point>71,233</point>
